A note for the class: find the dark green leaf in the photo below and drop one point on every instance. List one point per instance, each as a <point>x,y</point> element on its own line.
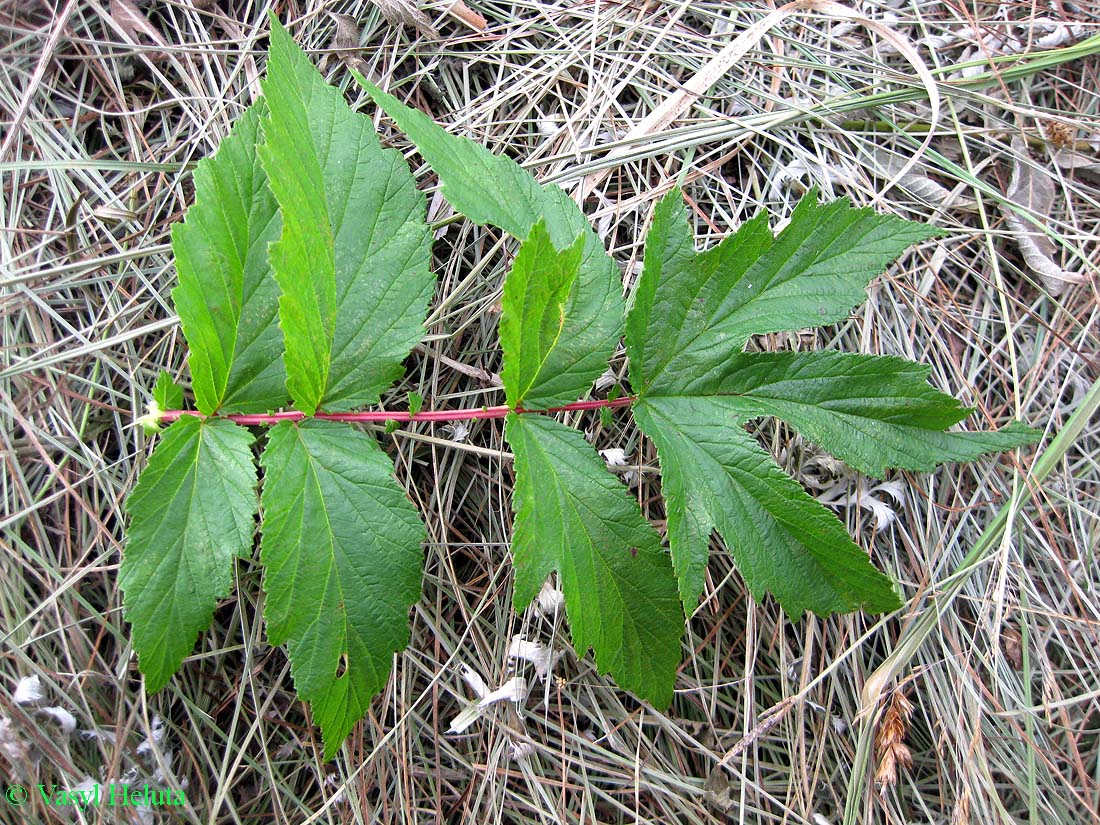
<point>166,393</point>
<point>342,554</point>
<point>873,412</point>
<point>715,477</point>
<point>536,294</point>
<point>192,511</point>
<point>692,311</point>
<point>353,261</point>
<point>574,517</point>
<point>491,189</point>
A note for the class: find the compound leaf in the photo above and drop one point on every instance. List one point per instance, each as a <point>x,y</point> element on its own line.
<point>344,304</point>
<point>341,550</point>
<point>353,261</point>
<point>691,311</point>
<point>536,292</point>
<point>714,476</point>
<point>192,511</point>
<point>874,412</point>
<point>226,298</point>
<point>491,189</point>
<point>574,517</point>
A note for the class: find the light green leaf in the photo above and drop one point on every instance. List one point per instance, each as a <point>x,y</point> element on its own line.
<point>679,289</point>
<point>166,393</point>
<point>534,304</point>
<point>191,512</point>
<point>574,517</point>
<point>693,312</point>
<point>353,261</point>
<point>873,412</point>
<point>226,299</point>
<point>341,550</point>
<point>491,189</point>
<point>715,477</point>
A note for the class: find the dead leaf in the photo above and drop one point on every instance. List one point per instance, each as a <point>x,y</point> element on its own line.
<point>1066,158</point>
<point>887,164</point>
<point>137,27</point>
<point>1031,190</point>
<point>1059,32</point>
<point>346,36</point>
<point>405,13</point>
<point>1012,643</point>
<point>345,42</point>
<point>716,791</point>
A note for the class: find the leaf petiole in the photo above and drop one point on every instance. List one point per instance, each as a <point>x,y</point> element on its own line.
<point>250,419</point>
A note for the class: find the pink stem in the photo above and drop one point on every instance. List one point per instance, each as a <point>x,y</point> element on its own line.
<point>430,415</point>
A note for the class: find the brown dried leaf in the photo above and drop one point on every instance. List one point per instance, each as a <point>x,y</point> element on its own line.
<point>1032,191</point>
<point>890,165</point>
<point>346,36</point>
<point>1013,645</point>
<point>345,42</point>
<point>717,791</point>
<point>137,27</point>
<point>406,13</point>
<point>1077,162</point>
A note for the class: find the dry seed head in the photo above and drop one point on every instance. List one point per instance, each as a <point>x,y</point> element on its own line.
<point>961,814</point>
<point>890,741</point>
<point>1058,133</point>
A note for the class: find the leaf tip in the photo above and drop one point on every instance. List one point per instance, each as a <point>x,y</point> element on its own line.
<point>277,27</point>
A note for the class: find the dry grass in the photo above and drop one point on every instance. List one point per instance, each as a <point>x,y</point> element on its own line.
<point>996,650</point>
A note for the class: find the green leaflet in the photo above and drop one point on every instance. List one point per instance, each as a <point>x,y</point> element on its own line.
<point>689,318</point>
<point>226,299</point>
<point>692,312</point>
<point>486,188</point>
<point>574,517</point>
<point>491,189</point>
<point>166,393</point>
<point>353,259</point>
<point>342,554</point>
<point>534,305</point>
<point>680,290</point>
<point>874,412</point>
<point>715,477</point>
<point>191,512</point>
